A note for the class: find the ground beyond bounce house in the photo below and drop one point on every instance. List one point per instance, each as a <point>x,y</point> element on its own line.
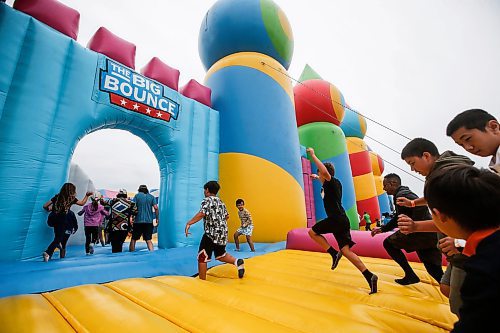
<point>247,119</point>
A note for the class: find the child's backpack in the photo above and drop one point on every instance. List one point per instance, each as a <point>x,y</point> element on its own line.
<point>51,220</point>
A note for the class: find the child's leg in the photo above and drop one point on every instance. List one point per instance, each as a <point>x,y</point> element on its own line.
<point>371,278</point>
<point>87,239</point>
<point>239,263</point>
<point>99,234</point>
<point>353,258</point>
<point>202,270</point>
<point>321,240</point>
<point>236,240</point>
<point>95,234</point>
<point>63,245</point>
<point>250,243</point>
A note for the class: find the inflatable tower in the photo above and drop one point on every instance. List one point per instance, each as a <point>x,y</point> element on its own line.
<point>319,109</point>
<point>247,46</point>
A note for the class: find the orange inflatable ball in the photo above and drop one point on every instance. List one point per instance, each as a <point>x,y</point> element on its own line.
<point>318,100</point>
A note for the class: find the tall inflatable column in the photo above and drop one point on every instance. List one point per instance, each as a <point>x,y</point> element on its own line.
<point>354,126</point>
<point>378,169</point>
<point>247,46</point>
<point>319,109</point>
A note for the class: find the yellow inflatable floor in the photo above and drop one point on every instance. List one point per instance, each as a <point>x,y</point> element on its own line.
<point>285,291</point>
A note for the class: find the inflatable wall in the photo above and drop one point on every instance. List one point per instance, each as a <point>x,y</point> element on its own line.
<point>83,184</point>
<point>354,125</point>
<point>260,159</point>
<point>54,91</point>
<point>378,169</point>
<point>319,109</point>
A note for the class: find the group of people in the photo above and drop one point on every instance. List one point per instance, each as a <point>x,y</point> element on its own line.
<point>458,216</point>
<point>460,211</point>
<point>116,218</point>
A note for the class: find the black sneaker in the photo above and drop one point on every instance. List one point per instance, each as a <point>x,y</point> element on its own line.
<point>241,267</point>
<point>407,280</point>
<point>336,260</point>
<point>373,284</point>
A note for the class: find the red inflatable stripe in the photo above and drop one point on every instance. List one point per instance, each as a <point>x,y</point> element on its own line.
<point>360,163</point>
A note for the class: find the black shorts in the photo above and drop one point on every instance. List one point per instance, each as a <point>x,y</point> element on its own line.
<point>414,241</point>
<point>207,246</point>
<point>339,227</point>
<point>142,229</point>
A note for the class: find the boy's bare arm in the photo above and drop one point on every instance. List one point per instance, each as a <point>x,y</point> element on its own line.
<point>406,225</point>
<point>402,201</point>
<point>195,219</point>
<point>321,167</point>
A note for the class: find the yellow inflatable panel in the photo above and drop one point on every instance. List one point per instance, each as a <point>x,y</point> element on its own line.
<point>285,291</point>
<point>31,313</point>
<point>96,308</point>
<point>379,184</point>
<point>275,210</point>
<point>364,186</point>
<point>355,145</point>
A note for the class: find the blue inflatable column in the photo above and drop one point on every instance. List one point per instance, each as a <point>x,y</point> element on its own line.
<point>260,159</point>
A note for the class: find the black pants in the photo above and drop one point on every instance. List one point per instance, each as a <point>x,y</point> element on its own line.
<point>90,237</point>
<point>59,230</point>
<point>430,257</point>
<point>64,240</point>
<point>117,239</point>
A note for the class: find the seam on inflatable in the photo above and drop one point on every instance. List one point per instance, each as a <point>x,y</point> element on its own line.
<point>30,21</point>
<point>63,81</point>
<point>152,308</point>
<point>21,52</point>
<point>70,319</point>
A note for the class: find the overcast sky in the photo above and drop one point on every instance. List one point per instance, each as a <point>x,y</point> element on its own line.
<point>410,65</point>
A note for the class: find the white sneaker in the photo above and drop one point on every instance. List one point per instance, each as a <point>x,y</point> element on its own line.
<point>46,256</point>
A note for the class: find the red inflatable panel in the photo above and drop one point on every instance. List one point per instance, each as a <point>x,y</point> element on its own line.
<point>371,206</point>
<point>109,44</point>
<point>313,103</point>
<point>366,245</point>
<point>360,163</point>
<point>53,13</point>
<point>161,72</point>
<point>198,92</point>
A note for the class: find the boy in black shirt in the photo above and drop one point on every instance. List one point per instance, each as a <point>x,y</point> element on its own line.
<point>336,222</point>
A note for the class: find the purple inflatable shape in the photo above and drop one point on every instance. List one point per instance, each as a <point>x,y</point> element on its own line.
<point>53,13</point>
<point>198,92</point>
<point>161,72</point>
<point>109,44</point>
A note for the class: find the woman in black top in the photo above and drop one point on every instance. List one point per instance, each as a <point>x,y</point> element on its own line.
<point>59,206</point>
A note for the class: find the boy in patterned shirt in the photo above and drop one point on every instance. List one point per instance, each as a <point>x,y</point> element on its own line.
<point>246,225</point>
<point>214,214</point>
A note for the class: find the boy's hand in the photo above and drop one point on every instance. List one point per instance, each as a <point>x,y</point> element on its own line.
<point>310,151</point>
<point>376,231</point>
<point>88,194</point>
<point>186,230</point>
<point>405,224</point>
<point>402,201</point>
<point>447,246</point>
<point>314,176</point>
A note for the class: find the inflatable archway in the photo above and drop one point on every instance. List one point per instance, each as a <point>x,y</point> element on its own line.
<point>53,92</point>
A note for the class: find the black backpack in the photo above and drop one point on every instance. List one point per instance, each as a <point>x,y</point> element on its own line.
<point>51,220</point>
